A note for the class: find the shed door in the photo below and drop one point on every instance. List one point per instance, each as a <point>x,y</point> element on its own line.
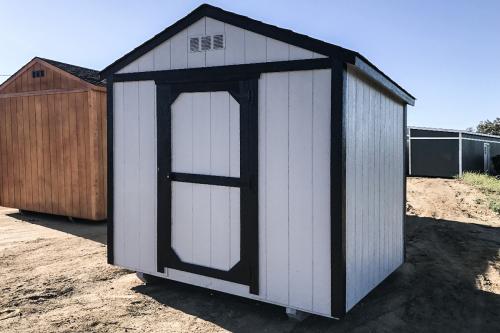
<point>487,157</point>
<point>207,179</point>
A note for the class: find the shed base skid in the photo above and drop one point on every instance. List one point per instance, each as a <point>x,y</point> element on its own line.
<point>149,279</point>
<point>48,215</point>
<point>296,314</point>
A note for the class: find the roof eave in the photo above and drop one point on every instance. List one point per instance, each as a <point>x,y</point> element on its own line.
<point>362,65</point>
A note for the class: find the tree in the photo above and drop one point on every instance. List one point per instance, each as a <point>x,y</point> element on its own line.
<point>489,127</point>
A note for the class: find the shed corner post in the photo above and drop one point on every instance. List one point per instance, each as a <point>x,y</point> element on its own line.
<point>406,171</point>
<point>338,188</point>
<point>460,170</point>
<point>110,173</point>
<point>409,144</point>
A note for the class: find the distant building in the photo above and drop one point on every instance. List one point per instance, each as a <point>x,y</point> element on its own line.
<point>434,152</point>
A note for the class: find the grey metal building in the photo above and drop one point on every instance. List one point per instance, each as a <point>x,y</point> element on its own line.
<point>434,152</point>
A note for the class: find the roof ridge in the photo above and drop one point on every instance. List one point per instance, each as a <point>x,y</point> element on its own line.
<point>86,74</point>
<point>65,63</point>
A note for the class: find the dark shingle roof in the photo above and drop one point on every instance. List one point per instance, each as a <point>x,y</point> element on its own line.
<point>86,74</point>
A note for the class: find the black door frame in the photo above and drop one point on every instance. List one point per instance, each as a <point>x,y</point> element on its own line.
<point>245,91</point>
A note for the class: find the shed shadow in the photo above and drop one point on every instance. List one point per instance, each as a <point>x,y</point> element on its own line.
<point>437,289</point>
<point>92,230</point>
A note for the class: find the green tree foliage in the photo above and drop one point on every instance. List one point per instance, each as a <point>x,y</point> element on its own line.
<point>489,127</point>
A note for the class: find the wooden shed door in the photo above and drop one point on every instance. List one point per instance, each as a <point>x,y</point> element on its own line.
<point>207,179</point>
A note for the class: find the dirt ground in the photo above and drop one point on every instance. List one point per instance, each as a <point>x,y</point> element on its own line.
<point>54,278</point>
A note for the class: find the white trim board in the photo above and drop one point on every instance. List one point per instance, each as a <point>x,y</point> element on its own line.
<point>434,138</point>
<point>460,155</point>
<point>452,131</point>
<point>452,138</point>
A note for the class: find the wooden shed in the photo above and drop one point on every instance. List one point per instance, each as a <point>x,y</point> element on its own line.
<point>256,161</point>
<point>447,153</point>
<point>52,140</point>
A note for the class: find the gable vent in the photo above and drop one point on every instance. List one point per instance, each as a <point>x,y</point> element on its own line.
<point>218,42</point>
<point>194,44</point>
<point>39,73</point>
<point>206,43</point>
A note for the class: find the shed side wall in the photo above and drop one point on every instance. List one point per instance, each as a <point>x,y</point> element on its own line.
<point>98,152</point>
<point>374,187</point>
<point>46,148</point>
<point>294,188</point>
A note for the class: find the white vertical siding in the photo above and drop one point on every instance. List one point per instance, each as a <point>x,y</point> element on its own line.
<point>135,174</point>
<point>206,134</point>
<point>276,147</point>
<point>374,186</point>
<point>178,51</point>
<point>119,178</point>
<point>147,174</point>
<point>242,47</point>
<point>214,57</point>
<point>301,188</point>
<point>321,136</point>
<point>294,190</point>
<point>131,170</point>
<point>202,220</point>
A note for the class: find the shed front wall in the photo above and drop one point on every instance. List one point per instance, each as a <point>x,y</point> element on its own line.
<point>375,179</point>
<point>51,153</point>
<point>294,188</point>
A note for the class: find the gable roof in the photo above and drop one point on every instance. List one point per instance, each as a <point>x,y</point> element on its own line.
<point>284,35</point>
<point>86,74</point>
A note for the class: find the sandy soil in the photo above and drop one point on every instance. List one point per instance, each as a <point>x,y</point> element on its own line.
<point>449,199</point>
<point>54,278</point>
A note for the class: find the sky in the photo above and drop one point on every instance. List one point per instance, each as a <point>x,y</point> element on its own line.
<point>446,53</point>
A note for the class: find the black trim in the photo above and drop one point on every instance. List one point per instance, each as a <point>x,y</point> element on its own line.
<point>338,190</point>
<point>110,172</point>
<point>246,271</point>
<point>204,179</point>
<point>164,187</point>
<point>284,35</point>
<point>405,156</point>
<point>249,198</point>
<point>224,73</point>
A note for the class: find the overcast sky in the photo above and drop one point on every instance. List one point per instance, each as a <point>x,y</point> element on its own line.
<point>446,53</point>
